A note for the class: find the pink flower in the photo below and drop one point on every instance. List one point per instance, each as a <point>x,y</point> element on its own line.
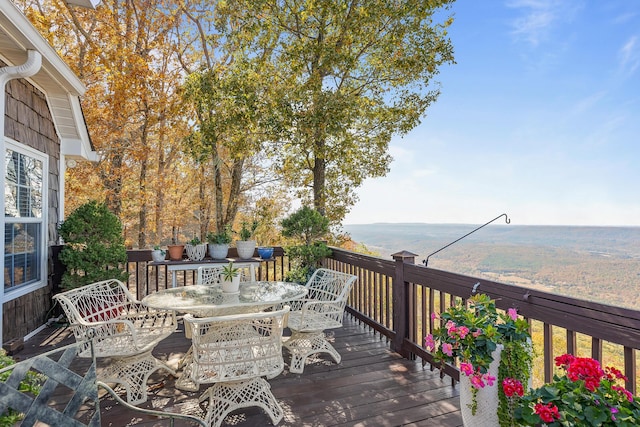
<point>513,314</point>
<point>450,325</point>
<point>447,349</point>
<point>463,331</point>
<point>434,316</point>
<point>476,381</point>
<point>477,333</point>
<point>489,379</point>
<point>429,342</point>
<point>466,368</point>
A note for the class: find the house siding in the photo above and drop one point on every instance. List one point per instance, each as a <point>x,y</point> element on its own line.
<point>28,121</point>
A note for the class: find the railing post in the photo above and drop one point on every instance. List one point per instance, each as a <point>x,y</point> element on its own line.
<point>401,307</point>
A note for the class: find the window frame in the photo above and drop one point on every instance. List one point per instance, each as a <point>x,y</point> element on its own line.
<point>20,290</point>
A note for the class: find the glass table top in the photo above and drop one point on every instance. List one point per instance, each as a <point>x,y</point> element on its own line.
<point>204,300</point>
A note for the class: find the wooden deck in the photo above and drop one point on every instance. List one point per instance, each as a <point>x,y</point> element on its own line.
<point>372,386</point>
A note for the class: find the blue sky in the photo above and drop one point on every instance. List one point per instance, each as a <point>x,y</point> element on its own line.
<point>539,119</point>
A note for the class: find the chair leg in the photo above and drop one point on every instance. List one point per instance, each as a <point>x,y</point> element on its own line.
<point>225,398</point>
<point>132,373</point>
<point>303,344</point>
<point>184,382</point>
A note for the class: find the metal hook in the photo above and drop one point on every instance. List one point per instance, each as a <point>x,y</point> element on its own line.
<point>475,288</point>
<point>507,220</point>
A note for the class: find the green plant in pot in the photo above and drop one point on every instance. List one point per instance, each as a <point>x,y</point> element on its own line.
<point>94,247</point>
<point>219,243</point>
<point>230,278</point>
<point>246,245</point>
<point>196,250</point>
<point>158,254</point>
<point>305,226</point>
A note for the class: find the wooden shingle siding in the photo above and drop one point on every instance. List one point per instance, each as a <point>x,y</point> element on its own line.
<point>28,121</point>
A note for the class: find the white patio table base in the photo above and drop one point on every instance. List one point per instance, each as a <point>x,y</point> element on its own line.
<point>227,397</point>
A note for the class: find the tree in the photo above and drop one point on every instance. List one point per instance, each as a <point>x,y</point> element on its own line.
<point>350,75</point>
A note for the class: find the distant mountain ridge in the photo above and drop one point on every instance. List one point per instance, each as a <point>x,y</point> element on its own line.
<point>421,237</point>
<point>598,263</point>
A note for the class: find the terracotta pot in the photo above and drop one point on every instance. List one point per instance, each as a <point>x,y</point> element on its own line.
<point>175,252</point>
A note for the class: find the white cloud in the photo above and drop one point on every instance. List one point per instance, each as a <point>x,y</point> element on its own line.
<point>630,56</point>
<point>534,25</point>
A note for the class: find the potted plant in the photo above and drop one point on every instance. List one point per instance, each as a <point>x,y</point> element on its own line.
<point>94,247</point>
<point>585,395</point>
<point>158,254</point>
<point>265,252</point>
<point>196,250</point>
<point>230,278</point>
<point>246,246</point>
<point>219,243</point>
<point>305,226</point>
<point>175,249</point>
<point>489,347</point>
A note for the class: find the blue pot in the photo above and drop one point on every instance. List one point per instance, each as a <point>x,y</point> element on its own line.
<point>265,253</point>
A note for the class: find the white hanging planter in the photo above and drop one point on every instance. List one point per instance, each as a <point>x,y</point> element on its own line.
<point>246,248</point>
<point>196,252</point>
<point>487,397</point>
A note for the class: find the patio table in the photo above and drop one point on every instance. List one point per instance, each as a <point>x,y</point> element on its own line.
<point>206,301</point>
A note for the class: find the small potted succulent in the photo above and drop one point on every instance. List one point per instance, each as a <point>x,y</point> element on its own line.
<point>230,278</point>
<point>158,254</point>
<point>196,250</point>
<point>219,243</point>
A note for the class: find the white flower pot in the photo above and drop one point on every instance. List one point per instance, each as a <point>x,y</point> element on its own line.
<point>246,248</point>
<point>231,287</point>
<point>196,252</point>
<point>487,398</point>
<point>218,251</point>
<point>158,255</point>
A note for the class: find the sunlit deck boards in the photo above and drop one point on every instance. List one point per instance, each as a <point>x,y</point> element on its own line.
<point>371,387</point>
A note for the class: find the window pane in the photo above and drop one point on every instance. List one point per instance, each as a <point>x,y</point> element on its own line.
<point>22,252</point>
<point>24,219</point>
<point>23,186</point>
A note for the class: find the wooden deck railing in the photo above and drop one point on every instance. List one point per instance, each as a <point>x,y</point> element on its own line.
<point>403,313</point>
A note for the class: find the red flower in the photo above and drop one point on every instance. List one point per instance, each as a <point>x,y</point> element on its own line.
<point>564,360</point>
<point>548,413</point>
<point>511,386</point>
<point>587,369</point>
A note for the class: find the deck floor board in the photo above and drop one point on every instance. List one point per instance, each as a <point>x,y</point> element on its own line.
<point>372,386</point>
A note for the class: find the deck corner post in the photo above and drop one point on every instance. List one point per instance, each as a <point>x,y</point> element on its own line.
<point>401,301</point>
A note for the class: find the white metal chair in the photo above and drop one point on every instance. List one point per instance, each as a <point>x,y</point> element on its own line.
<point>323,308</point>
<point>67,390</point>
<point>212,275</point>
<point>125,330</point>
<point>234,353</point>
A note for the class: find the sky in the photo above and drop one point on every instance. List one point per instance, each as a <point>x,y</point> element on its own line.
<point>539,119</point>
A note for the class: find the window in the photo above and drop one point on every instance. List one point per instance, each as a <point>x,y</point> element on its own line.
<point>24,217</point>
